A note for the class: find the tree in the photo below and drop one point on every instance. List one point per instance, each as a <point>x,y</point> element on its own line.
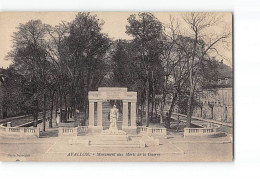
<point>58,55</point>
<point>127,69</point>
<point>202,44</point>
<point>147,33</point>
<point>13,93</point>
<point>175,70</point>
<point>87,62</point>
<point>78,52</point>
<point>30,60</point>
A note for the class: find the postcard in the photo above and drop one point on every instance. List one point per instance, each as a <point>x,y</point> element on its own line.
<point>116,86</point>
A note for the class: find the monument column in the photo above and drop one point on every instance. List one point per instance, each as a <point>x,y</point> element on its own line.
<point>133,114</point>
<point>91,114</point>
<point>125,114</point>
<point>99,114</point>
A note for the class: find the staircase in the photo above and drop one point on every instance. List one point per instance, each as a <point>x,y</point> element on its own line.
<point>53,132</point>
<point>117,140</point>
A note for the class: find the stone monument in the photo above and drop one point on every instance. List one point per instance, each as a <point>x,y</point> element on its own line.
<point>114,115</point>
<point>96,98</point>
<point>113,137</point>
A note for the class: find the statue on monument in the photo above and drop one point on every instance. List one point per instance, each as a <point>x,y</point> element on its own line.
<point>113,130</point>
<point>114,115</point>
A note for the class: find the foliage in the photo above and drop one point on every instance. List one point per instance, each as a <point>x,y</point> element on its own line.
<point>55,67</point>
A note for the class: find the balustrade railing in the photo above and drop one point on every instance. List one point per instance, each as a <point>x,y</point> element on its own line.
<point>151,131</point>
<point>82,129</point>
<point>199,131</point>
<point>67,131</point>
<point>19,131</point>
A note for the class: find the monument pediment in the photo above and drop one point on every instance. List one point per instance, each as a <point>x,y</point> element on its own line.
<point>105,93</point>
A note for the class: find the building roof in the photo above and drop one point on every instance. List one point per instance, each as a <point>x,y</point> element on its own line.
<point>224,77</point>
<point>224,71</point>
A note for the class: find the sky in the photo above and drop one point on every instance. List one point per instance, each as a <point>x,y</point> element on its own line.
<point>115,26</point>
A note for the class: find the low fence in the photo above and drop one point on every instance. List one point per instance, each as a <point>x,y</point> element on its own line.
<point>19,131</point>
<point>39,125</point>
<point>205,120</point>
<point>82,129</point>
<point>151,131</point>
<point>72,131</point>
<point>188,132</point>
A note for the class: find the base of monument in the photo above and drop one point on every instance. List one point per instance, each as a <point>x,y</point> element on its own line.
<point>130,130</point>
<point>95,129</point>
<point>109,138</point>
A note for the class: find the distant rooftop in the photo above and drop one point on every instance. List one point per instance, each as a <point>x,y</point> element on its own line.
<point>224,71</point>
<point>224,78</point>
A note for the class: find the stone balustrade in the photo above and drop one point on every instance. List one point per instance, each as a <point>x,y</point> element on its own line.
<point>141,130</point>
<point>2,129</point>
<point>73,131</point>
<point>151,131</point>
<point>19,131</point>
<point>199,131</point>
<point>68,131</point>
<point>82,129</point>
<point>206,120</point>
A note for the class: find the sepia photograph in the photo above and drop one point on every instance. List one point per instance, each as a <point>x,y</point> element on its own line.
<point>116,86</point>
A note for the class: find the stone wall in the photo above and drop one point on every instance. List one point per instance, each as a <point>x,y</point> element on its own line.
<point>220,113</point>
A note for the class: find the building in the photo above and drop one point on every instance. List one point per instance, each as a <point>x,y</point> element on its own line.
<point>216,100</point>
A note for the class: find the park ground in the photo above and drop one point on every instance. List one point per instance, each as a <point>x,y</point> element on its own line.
<point>173,147</point>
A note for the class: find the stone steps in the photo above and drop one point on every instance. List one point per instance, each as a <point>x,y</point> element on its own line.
<point>50,133</point>
<point>118,139</point>
<point>116,145</point>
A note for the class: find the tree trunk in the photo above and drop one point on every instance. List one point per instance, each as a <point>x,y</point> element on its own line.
<point>61,115</point>
<point>212,112</point>
<point>142,110</point>
<point>52,104</point>
<point>189,112</point>
<point>152,115</point>
<point>168,125</point>
<point>189,107</point>
<point>147,104</point>
<point>86,106</point>
<point>162,107</point>
<point>36,113</point>
<point>56,106</point>
<point>153,97</point>
<point>155,108</point>
<point>34,119</point>
<point>66,110</point>
<point>44,111</point>
<point>178,111</point>
<point>161,112</point>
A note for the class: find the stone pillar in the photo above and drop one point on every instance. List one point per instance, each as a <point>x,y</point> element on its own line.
<point>91,114</point>
<point>99,114</point>
<point>133,114</point>
<point>125,114</point>
<point>9,124</point>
